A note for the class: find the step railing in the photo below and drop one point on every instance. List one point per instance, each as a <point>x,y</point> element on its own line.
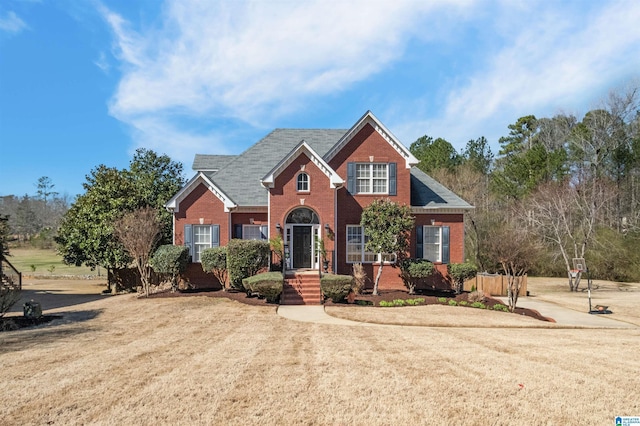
<point>11,277</point>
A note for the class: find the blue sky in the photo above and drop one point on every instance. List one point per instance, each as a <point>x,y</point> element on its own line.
<point>84,83</point>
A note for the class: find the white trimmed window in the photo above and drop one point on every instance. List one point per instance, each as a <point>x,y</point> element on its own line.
<point>254,232</point>
<point>303,182</point>
<point>356,242</point>
<point>433,243</point>
<point>200,237</point>
<point>372,178</point>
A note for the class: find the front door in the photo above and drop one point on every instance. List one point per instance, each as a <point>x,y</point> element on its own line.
<point>302,247</point>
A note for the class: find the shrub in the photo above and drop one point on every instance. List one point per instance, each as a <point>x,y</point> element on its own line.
<point>386,304</point>
<point>214,260</point>
<point>268,285</point>
<point>442,299</point>
<point>453,303</point>
<point>463,303</point>
<point>500,307</point>
<point>460,272</point>
<point>399,302</point>
<point>170,261</point>
<point>413,270</point>
<point>359,278</point>
<point>476,296</point>
<point>245,258</point>
<point>478,305</point>
<point>336,287</point>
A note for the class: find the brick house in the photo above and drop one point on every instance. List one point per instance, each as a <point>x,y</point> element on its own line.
<point>311,184</point>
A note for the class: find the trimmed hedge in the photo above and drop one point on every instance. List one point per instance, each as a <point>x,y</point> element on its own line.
<point>336,287</point>
<point>414,270</point>
<point>268,285</point>
<point>171,261</point>
<point>245,258</point>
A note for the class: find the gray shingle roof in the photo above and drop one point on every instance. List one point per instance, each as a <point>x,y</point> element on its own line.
<point>240,178</point>
<point>427,192</point>
<point>206,162</point>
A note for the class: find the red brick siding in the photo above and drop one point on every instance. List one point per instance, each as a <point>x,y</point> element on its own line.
<point>284,196</point>
<point>201,204</point>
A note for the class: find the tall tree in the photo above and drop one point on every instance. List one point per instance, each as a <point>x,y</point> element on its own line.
<point>434,154</point>
<point>45,188</point>
<point>387,225</point>
<point>86,234</point>
<point>478,154</point>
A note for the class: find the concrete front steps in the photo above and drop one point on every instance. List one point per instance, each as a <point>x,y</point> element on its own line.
<point>301,288</point>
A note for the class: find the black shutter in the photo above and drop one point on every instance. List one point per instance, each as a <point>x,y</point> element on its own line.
<point>188,239</point>
<point>392,179</point>
<point>237,231</point>
<point>419,242</point>
<point>351,178</point>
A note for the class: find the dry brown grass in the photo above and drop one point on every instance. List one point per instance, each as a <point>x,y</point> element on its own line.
<point>199,360</point>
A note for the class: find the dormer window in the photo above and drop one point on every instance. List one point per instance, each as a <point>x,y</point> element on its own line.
<point>303,182</point>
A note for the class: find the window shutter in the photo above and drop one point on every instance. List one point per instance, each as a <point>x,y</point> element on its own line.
<point>392,179</point>
<point>188,238</point>
<point>419,242</point>
<point>237,231</point>
<point>263,232</point>
<point>445,244</point>
<point>351,178</point>
<point>215,235</point>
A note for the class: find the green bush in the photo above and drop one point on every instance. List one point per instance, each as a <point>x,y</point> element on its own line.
<point>386,304</point>
<point>442,299</point>
<point>214,260</point>
<point>453,303</point>
<point>460,272</point>
<point>245,258</point>
<point>170,261</point>
<point>268,285</point>
<point>414,270</point>
<point>500,307</point>
<point>463,303</point>
<point>399,302</point>
<point>479,305</point>
<point>336,287</point>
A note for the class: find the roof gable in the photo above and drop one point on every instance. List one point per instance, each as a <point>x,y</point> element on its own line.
<point>427,193</point>
<point>369,118</point>
<point>335,181</point>
<point>174,203</point>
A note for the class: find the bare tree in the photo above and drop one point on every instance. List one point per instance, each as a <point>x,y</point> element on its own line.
<point>139,232</point>
<point>514,250</point>
<point>566,215</point>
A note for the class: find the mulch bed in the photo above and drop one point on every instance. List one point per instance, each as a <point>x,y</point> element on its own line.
<point>367,299</point>
<point>11,323</point>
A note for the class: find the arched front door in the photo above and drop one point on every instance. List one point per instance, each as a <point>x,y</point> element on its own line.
<point>302,228</point>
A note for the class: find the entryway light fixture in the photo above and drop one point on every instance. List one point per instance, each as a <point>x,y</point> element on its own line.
<point>278,227</point>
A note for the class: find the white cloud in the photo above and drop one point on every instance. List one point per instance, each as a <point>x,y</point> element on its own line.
<point>11,23</point>
<point>552,63</point>
<point>254,61</point>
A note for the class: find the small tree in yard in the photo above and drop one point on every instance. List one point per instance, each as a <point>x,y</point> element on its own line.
<point>214,260</point>
<point>139,232</point>
<point>412,270</point>
<point>460,272</point>
<point>513,250</point>
<point>387,224</point>
<point>171,261</point>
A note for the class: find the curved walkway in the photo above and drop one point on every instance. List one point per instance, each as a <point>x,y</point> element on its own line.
<point>562,316</point>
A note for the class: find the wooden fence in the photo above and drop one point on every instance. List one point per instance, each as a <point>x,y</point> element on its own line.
<point>493,284</point>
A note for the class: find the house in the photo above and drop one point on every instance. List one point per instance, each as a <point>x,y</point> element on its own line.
<point>309,185</point>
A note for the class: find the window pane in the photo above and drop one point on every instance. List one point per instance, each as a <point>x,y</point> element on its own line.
<point>354,244</point>
<point>432,243</point>
<point>251,232</point>
<point>201,240</point>
<point>303,182</point>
